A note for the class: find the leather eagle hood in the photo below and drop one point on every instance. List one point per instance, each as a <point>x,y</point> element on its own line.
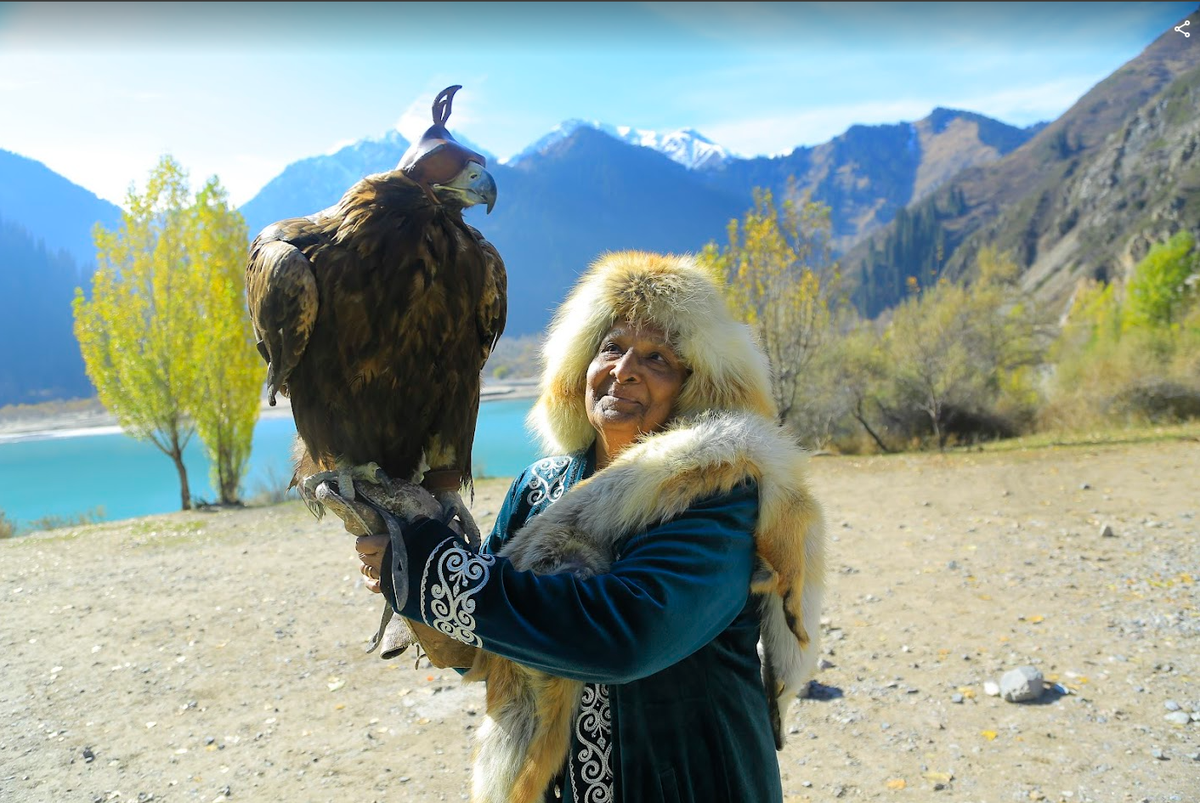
<point>437,156</point>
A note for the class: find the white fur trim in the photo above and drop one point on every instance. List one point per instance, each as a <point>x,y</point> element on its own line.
<point>661,476</point>
<point>728,370</point>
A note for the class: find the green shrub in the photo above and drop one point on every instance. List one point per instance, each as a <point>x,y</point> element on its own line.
<point>74,520</point>
<point>273,490</point>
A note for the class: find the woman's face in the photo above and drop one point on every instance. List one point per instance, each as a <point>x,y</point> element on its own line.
<point>632,383</point>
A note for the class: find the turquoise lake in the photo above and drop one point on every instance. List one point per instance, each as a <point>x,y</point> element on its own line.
<point>113,476</point>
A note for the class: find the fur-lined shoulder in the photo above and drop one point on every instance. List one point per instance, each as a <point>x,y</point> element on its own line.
<point>659,477</point>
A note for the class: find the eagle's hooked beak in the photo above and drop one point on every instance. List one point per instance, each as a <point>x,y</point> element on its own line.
<point>473,185</point>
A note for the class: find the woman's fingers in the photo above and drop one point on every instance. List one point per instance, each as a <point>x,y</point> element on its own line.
<point>371,548</point>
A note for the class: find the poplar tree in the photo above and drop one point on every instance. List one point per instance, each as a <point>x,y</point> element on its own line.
<point>156,334</point>
<point>780,276</point>
<point>230,379</point>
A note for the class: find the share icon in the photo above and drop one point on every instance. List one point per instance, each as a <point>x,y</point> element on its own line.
<point>1180,28</point>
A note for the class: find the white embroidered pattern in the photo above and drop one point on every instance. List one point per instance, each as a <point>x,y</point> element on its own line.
<point>591,773</point>
<point>547,482</point>
<point>449,605</point>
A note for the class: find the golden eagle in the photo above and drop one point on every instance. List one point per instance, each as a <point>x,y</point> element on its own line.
<point>376,316</point>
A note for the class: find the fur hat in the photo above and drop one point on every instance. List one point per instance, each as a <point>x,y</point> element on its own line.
<point>729,370</point>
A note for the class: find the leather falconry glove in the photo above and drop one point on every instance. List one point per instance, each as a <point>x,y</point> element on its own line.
<point>387,508</point>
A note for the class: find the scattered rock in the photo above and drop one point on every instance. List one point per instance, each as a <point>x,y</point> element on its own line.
<point>961,626</point>
<point>1022,684</point>
<point>1107,531</point>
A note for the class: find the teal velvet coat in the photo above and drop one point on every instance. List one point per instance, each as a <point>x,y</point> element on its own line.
<point>673,706</point>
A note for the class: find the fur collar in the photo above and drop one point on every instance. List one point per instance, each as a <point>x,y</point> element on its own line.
<point>651,482</point>
<point>658,478</point>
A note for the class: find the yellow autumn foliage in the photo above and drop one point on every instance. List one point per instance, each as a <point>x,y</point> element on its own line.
<point>164,334</point>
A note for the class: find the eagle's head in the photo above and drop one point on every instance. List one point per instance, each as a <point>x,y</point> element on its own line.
<point>454,174</point>
<point>473,185</point>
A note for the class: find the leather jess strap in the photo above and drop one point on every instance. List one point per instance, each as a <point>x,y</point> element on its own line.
<point>448,479</point>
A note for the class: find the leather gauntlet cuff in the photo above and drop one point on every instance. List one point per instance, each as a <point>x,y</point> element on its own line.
<point>441,650</point>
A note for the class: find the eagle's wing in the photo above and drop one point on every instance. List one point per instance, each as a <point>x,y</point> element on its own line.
<point>281,291</point>
<point>492,311</point>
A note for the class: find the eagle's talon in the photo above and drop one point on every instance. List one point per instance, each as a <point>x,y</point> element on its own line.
<point>314,507</point>
<point>307,489</point>
<point>453,508</point>
<point>358,517</point>
<point>345,484</point>
<point>342,480</point>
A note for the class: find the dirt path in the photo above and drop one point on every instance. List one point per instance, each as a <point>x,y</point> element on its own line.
<point>214,655</point>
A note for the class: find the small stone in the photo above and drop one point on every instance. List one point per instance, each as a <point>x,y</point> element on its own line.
<point>1022,684</point>
<point>1107,531</point>
<point>1178,717</point>
<point>991,688</point>
<point>1171,705</point>
<point>956,698</point>
<point>1085,487</point>
<point>1160,755</point>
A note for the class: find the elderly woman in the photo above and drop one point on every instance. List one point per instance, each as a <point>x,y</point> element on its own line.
<point>666,561</point>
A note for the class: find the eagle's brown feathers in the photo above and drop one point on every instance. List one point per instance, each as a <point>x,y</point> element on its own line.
<point>376,317</point>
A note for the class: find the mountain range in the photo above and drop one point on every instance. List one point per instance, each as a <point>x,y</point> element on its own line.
<point>1084,199</point>
<point>1083,195</point>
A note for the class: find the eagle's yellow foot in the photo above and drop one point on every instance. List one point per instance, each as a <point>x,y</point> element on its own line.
<point>454,507</point>
<point>343,478</point>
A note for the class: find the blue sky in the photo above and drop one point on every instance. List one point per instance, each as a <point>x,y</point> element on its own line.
<point>99,91</point>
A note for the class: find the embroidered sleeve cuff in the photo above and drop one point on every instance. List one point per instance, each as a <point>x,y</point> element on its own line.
<point>445,578</point>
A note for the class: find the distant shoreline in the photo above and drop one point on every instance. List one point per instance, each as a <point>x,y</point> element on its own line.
<point>95,420</point>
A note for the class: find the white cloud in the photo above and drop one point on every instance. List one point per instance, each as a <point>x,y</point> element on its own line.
<point>414,120</point>
<point>781,132</point>
<point>419,114</point>
<point>1029,104</point>
<point>776,134</point>
<point>337,146</point>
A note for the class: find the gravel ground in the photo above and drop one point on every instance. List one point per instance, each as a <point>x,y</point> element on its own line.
<point>218,655</point>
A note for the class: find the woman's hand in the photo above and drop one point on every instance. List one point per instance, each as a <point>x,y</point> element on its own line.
<point>370,551</point>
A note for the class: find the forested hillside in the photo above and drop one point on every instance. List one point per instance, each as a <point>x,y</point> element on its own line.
<point>1086,197</point>
<point>41,359</point>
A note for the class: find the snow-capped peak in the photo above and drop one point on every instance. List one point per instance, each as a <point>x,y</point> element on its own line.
<point>687,146</point>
